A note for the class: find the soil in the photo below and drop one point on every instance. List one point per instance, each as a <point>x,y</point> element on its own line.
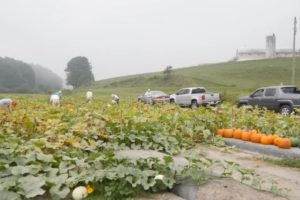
<point>160,196</point>
<point>220,189</point>
<point>229,189</point>
<point>285,180</point>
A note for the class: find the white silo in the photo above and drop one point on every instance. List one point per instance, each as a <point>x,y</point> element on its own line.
<point>271,46</point>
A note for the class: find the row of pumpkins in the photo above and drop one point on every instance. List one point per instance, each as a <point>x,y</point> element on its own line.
<point>256,137</point>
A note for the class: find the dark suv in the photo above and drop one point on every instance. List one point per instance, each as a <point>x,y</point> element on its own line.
<point>283,98</point>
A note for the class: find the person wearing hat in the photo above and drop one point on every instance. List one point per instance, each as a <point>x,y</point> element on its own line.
<point>7,104</point>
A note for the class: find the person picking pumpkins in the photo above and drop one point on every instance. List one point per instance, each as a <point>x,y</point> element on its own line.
<point>7,104</point>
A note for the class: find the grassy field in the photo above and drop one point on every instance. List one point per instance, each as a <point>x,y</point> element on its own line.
<point>231,78</point>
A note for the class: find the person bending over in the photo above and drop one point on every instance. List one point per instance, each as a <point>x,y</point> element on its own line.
<point>7,104</point>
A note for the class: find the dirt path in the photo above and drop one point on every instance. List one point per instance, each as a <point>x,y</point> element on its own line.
<point>159,196</point>
<point>288,179</point>
<point>229,189</point>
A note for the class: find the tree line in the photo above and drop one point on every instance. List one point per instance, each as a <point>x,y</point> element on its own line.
<point>18,76</point>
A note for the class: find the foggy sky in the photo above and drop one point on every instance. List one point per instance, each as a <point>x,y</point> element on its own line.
<point>121,37</point>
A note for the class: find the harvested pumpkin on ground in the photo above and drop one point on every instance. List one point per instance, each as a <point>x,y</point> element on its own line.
<point>246,135</point>
<point>220,132</point>
<point>267,140</point>
<point>255,137</point>
<point>284,143</point>
<point>228,133</point>
<point>237,134</point>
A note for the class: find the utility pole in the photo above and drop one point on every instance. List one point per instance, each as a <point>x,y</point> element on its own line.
<point>294,53</point>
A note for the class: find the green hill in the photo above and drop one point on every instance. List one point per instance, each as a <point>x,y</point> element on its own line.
<point>230,78</point>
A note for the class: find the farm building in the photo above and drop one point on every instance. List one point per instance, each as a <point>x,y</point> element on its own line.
<point>269,52</point>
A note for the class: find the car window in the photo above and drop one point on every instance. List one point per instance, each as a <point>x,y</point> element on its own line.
<point>290,90</point>
<point>258,93</point>
<point>270,92</point>
<point>198,91</point>
<point>184,91</point>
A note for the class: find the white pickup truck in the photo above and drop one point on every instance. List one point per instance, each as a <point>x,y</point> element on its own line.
<point>194,97</point>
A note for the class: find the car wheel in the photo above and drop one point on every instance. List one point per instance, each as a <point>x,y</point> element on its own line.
<point>194,104</point>
<point>285,110</point>
<point>172,101</point>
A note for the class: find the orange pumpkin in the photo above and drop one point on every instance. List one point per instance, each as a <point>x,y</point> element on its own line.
<point>284,143</point>
<point>267,140</point>
<point>228,133</point>
<point>255,137</point>
<point>237,134</point>
<point>220,132</point>
<point>276,140</point>
<point>246,135</point>
<point>273,137</point>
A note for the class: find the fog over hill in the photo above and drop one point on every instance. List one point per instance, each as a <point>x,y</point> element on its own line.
<point>18,76</point>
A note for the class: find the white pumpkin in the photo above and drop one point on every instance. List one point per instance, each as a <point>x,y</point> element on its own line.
<point>79,193</point>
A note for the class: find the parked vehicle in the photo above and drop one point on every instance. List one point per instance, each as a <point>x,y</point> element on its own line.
<point>156,96</point>
<point>283,99</point>
<point>194,97</point>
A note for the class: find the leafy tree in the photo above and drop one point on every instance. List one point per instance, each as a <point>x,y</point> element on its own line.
<point>79,72</point>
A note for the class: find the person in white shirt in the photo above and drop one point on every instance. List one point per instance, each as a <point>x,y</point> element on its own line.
<point>54,100</point>
<point>7,104</point>
<point>116,98</point>
<point>89,96</point>
<point>148,97</point>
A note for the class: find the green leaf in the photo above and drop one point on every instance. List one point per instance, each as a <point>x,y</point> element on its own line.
<point>58,180</point>
<point>32,186</point>
<point>7,182</point>
<point>169,181</point>
<point>45,158</point>
<point>6,151</point>
<point>168,160</point>
<point>59,192</point>
<point>17,170</point>
<point>8,195</point>
<point>64,167</point>
<point>30,157</point>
